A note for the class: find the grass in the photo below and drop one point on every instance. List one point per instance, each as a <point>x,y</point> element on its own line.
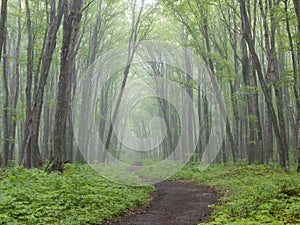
<point>79,196</point>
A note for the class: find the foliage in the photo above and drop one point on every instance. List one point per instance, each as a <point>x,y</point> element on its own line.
<point>251,194</point>
<point>256,194</point>
<point>79,196</point>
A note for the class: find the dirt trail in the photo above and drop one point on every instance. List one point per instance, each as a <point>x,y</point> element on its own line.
<point>174,203</point>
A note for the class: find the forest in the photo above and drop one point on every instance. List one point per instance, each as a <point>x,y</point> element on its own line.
<point>105,102</point>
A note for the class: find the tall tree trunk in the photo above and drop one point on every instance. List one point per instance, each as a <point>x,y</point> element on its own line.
<point>137,34</point>
<point>249,77</point>
<point>25,151</point>
<point>199,108</point>
<point>3,19</point>
<point>72,18</point>
<point>96,45</point>
<point>46,129</point>
<point>269,136</point>
<point>211,66</point>
<point>273,73</point>
<point>6,126</point>
<point>189,90</point>
<point>296,77</point>
<point>30,153</point>
<point>282,145</point>
<point>16,88</point>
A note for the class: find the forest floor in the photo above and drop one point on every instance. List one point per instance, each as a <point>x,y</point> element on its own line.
<point>173,203</point>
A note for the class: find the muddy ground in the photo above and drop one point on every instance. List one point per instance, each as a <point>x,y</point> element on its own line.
<point>174,203</point>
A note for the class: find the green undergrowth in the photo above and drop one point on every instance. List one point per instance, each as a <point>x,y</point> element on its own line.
<point>78,196</point>
<point>252,194</point>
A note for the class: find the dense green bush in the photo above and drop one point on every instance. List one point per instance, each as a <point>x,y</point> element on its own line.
<point>79,196</point>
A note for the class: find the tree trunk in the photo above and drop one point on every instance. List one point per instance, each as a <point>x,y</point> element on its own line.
<point>228,126</point>
<point>16,88</point>
<point>30,153</point>
<point>25,151</point>
<point>282,145</point>
<point>137,32</point>
<point>46,130</point>
<point>249,77</point>
<point>269,136</point>
<point>296,77</point>
<point>189,90</point>
<point>3,19</point>
<point>72,18</point>
<point>6,121</point>
<point>273,73</point>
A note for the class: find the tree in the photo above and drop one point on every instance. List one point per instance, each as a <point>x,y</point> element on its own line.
<point>11,90</point>
<point>2,41</point>
<point>138,32</point>
<point>197,24</point>
<point>250,81</point>
<point>71,25</point>
<point>296,73</point>
<point>280,133</point>
<point>252,47</point>
<point>3,24</point>
<point>30,153</point>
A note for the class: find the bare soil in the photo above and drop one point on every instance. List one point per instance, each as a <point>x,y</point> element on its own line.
<point>173,203</point>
